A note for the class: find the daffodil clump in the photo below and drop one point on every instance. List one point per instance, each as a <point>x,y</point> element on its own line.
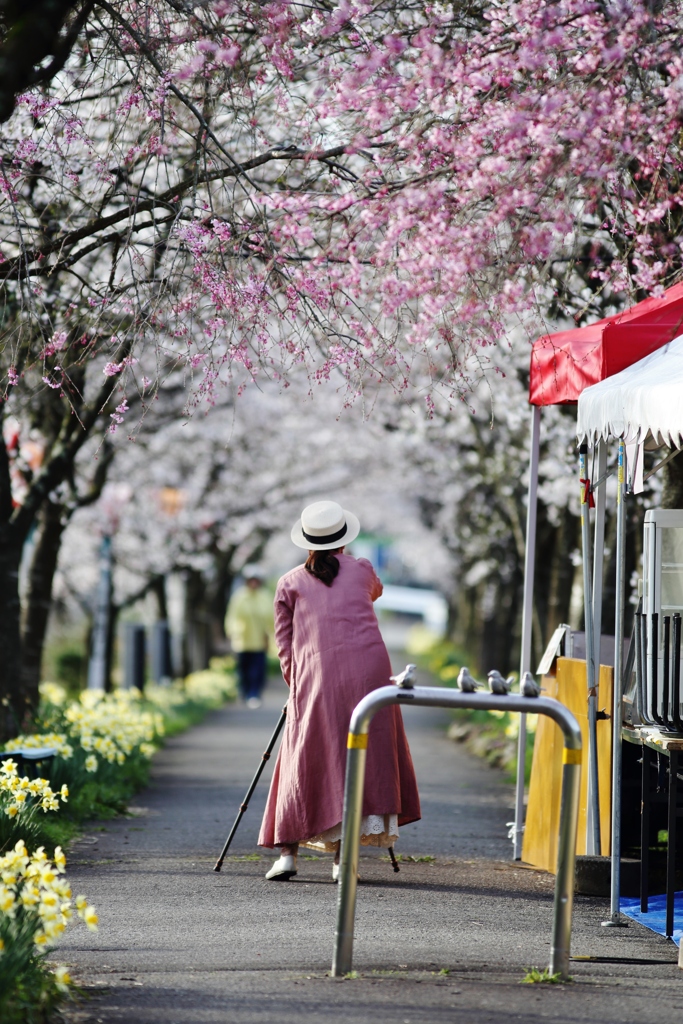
<point>105,726</point>
<point>36,906</point>
<point>104,741</point>
<point>23,802</point>
<point>21,795</point>
<point>112,726</point>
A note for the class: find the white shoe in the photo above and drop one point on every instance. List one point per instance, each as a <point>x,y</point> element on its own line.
<point>253,702</point>
<point>282,869</point>
<point>336,868</point>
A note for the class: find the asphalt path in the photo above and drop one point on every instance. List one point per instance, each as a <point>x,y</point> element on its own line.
<point>447,939</point>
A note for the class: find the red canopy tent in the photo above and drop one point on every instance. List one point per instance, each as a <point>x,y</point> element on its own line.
<point>563,364</point>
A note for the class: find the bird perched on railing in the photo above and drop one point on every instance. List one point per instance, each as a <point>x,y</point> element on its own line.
<point>405,680</point>
<point>466,682</point>
<point>499,685</point>
<point>529,687</point>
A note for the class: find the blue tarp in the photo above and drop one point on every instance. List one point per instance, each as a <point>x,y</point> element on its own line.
<point>655,919</point>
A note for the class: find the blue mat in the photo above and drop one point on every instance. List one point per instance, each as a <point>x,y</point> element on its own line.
<point>655,919</point>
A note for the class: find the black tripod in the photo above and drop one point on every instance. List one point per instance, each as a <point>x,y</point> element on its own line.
<point>245,803</point>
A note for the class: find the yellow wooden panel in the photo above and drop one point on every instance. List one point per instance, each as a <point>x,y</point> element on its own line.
<point>543,810</point>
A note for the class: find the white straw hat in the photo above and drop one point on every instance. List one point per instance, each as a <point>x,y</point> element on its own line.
<point>325,526</point>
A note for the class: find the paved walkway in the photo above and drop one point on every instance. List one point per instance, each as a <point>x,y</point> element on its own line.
<point>443,941</point>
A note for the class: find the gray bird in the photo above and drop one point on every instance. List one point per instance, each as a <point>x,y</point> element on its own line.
<point>405,679</point>
<point>466,682</point>
<point>497,684</point>
<point>529,687</point>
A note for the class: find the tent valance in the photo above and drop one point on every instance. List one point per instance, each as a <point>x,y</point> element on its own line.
<point>646,398</point>
<point>565,363</point>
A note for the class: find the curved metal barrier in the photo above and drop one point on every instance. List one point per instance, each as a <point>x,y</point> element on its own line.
<point>433,696</point>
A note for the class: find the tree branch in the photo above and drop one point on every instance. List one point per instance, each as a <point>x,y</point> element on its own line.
<point>32,33</point>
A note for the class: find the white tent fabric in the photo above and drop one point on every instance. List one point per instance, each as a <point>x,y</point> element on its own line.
<point>644,399</point>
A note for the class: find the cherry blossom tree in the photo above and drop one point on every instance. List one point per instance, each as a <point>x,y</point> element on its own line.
<point>373,190</point>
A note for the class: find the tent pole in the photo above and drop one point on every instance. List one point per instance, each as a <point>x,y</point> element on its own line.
<point>599,551</point>
<point>616,920</point>
<point>527,617</point>
<point>598,570</point>
<point>593,802</point>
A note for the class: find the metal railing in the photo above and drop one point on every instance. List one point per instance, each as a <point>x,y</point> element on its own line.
<point>431,696</point>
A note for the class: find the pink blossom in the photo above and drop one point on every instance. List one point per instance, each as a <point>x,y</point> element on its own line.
<point>229,54</point>
<point>56,343</point>
<point>117,416</point>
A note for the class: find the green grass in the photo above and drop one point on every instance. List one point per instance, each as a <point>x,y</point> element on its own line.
<point>534,976</point>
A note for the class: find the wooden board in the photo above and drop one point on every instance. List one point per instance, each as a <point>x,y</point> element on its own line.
<point>543,809</point>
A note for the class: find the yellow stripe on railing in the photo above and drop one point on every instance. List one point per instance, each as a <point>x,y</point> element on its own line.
<point>357,742</point>
<point>571,756</point>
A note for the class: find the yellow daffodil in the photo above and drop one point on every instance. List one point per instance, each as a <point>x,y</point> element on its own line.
<point>7,900</point>
<point>29,895</point>
<point>62,978</point>
<point>91,919</point>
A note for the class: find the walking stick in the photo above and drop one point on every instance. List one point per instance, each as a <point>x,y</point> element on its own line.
<point>252,787</point>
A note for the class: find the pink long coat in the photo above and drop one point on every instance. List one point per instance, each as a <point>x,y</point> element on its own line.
<point>332,655</point>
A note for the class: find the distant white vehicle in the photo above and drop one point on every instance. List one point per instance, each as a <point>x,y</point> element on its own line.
<point>430,605</point>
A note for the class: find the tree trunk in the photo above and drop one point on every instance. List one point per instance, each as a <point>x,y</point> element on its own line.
<point>13,710</point>
<point>197,641</point>
<point>672,495</point>
<point>561,573</point>
<point>38,599</point>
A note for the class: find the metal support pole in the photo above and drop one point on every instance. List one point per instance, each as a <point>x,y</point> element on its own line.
<point>599,549</point>
<point>671,842</point>
<point>593,811</point>
<point>97,666</point>
<point>426,696</point>
<point>527,618</point>
<point>645,830</point>
<point>616,920</point>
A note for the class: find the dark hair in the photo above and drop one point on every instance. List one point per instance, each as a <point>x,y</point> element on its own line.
<point>323,565</point>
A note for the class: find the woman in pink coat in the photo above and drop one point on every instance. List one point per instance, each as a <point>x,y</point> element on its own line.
<point>332,655</point>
